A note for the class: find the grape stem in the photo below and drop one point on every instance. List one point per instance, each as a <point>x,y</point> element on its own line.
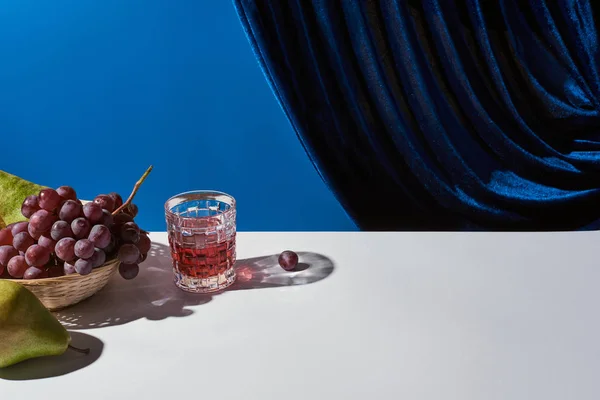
<point>77,349</point>
<point>134,191</point>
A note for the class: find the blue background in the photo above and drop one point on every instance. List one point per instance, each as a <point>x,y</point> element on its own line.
<point>92,92</point>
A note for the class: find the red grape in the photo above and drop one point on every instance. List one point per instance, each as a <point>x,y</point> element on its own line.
<point>130,232</point>
<point>49,199</point>
<point>22,241</point>
<point>70,210</point>
<point>106,202</point>
<point>129,271</point>
<point>34,233</point>
<point>61,229</point>
<point>93,212</point>
<point>288,260</point>
<point>117,199</point>
<point>41,221</point>
<point>84,248</point>
<point>81,228</point>
<point>112,246</point>
<point>19,227</point>
<point>37,256</point>
<point>141,258</point>
<point>69,268</point>
<point>122,218</point>
<point>144,244</point>
<point>65,249</point>
<point>17,266</point>
<point>100,236</point>
<point>98,258</point>
<point>6,237</point>
<point>128,253</point>
<point>34,273</point>
<point>47,242</point>
<point>83,267</point>
<point>67,193</point>
<point>6,253</point>
<point>132,210</point>
<point>107,218</point>
<point>30,205</point>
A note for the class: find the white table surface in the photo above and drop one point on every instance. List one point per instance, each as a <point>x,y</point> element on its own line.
<point>375,316</point>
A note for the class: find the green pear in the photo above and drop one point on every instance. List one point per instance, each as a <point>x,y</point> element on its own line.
<point>27,328</point>
<point>13,191</point>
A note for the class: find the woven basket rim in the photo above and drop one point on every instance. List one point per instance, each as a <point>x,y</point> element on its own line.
<point>65,278</point>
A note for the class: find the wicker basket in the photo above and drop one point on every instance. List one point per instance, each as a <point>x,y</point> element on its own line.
<point>63,291</point>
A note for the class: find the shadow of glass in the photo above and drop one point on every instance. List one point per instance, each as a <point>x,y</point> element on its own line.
<point>154,296</point>
<point>51,366</point>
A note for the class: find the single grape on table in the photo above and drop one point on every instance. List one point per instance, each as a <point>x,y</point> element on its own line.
<point>288,260</point>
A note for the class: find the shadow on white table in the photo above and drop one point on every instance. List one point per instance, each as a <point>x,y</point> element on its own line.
<point>154,296</point>
<point>48,367</point>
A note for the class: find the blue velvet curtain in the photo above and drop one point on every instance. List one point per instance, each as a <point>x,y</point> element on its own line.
<point>442,115</point>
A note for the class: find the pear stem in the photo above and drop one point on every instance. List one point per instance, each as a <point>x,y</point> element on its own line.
<point>77,349</point>
<point>135,189</point>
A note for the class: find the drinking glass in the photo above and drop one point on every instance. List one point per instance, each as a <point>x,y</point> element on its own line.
<point>202,232</point>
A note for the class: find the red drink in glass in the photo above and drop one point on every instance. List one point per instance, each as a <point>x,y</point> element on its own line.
<point>202,233</point>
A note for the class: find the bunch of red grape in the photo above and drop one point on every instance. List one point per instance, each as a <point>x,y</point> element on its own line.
<point>64,236</point>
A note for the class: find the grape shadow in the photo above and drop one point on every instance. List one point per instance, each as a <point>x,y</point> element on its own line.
<point>154,296</point>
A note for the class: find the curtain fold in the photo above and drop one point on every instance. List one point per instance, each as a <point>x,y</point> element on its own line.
<point>437,115</point>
